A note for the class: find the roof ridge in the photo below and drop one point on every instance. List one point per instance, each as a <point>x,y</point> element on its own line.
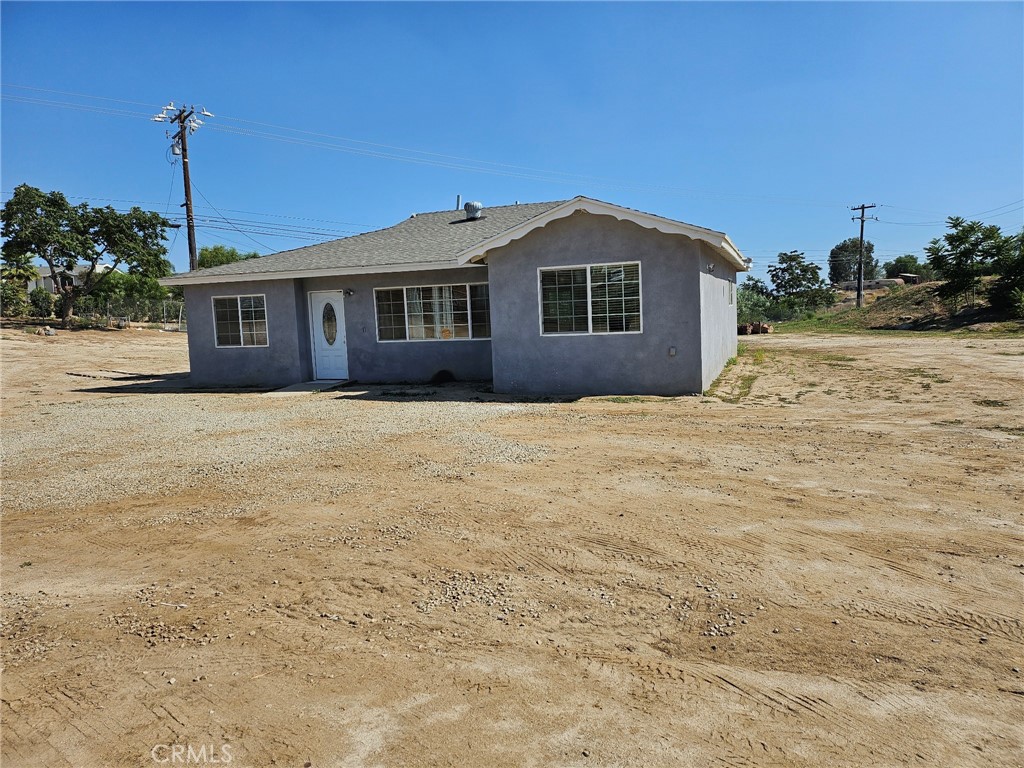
<point>486,207</point>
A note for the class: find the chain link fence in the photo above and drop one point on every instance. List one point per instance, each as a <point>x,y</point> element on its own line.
<point>166,314</point>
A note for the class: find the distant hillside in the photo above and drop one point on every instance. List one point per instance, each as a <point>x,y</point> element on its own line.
<point>909,308</point>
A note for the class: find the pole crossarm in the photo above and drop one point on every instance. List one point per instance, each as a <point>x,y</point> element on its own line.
<point>188,123</point>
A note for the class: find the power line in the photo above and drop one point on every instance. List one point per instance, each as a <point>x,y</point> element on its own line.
<point>261,245</point>
<point>81,107</point>
<point>436,159</point>
<point>968,216</point>
<point>232,210</point>
<point>80,95</point>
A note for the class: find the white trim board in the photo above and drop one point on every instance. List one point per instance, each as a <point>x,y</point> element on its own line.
<point>720,241</point>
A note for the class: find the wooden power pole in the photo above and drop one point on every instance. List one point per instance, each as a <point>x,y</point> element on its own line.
<point>860,253</point>
<point>187,123</point>
<point>181,137</point>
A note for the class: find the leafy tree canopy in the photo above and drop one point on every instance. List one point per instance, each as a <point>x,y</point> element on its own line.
<point>797,282</point>
<point>842,261</point>
<point>1008,290</point>
<point>75,239</point>
<point>756,285</point>
<point>215,255</point>
<point>18,269</point>
<point>753,301</point>
<point>967,251</point>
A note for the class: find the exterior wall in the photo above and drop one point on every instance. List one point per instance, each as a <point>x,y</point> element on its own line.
<point>284,361</point>
<point>717,314</point>
<point>370,360</point>
<point>526,362</point>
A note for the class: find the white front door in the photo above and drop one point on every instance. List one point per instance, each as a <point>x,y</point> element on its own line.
<point>327,320</point>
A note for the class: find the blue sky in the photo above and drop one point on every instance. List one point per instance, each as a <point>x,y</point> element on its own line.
<point>765,120</point>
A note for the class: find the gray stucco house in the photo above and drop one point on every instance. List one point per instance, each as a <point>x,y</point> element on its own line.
<point>569,297</point>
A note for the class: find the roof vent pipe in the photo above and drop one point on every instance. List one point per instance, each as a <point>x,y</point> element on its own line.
<point>473,210</point>
<point>458,202</point>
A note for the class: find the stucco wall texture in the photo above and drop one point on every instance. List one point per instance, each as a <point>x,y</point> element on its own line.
<point>717,314</point>
<point>665,359</point>
<point>284,361</point>
<point>370,360</point>
<point>688,322</point>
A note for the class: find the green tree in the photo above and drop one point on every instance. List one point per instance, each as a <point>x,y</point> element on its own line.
<point>798,284</point>
<point>41,301</point>
<point>842,261</point>
<point>757,286</point>
<point>13,299</point>
<point>753,301</point>
<point>215,255</point>
<point>140,289</point>
<point>18,269</point>
<point>908,265</point>
<point>75,239</point>
<point>967,251</point>
<point>1008,291</point>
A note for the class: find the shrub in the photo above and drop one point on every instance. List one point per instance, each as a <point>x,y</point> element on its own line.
<point>13,299</point>
<point>41,301</point>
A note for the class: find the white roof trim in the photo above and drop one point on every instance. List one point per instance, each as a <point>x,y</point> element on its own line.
<point>717,240</point>
<point>198,278</point>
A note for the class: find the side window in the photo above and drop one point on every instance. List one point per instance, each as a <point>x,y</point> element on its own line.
<point>240,321</point>
<point>596,298</point>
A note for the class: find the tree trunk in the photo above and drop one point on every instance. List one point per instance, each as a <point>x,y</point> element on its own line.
<point>67,306</point>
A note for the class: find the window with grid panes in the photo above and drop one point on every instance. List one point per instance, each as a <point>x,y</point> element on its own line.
<point>615,298</point>
<point>390,314</point>
<point>433,313</point>
<point>240,321</point>
<point>598,298</point>
<point>563,296</point>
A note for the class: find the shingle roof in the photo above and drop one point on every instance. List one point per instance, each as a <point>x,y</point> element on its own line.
<point>421,239</point>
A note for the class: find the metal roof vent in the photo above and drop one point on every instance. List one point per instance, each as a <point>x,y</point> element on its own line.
<point>473,210</point>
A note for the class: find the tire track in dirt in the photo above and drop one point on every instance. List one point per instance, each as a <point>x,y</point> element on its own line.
<point>924,614</point>
<point>841,725</point>
<point>626,548</point>
<point>811,545</point>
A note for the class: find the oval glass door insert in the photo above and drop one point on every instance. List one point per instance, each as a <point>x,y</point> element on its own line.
<point>330,323</point>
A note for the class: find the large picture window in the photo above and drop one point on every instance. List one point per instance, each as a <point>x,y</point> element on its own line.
<point>240,321</point>
<point>596,298</point>
<point>433,313</point>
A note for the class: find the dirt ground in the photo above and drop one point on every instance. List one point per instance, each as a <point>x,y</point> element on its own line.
<point>818,564</point>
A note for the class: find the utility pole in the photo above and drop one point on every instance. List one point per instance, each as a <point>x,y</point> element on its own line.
<point>860,256</point>
<point>187,124</point>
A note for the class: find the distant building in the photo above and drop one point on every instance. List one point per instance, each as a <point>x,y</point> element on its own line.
<point>66,278</point>
<point>870,285</point>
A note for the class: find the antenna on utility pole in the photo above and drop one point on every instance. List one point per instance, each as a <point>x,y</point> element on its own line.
<point>860,253</point>
<point>187,124</point>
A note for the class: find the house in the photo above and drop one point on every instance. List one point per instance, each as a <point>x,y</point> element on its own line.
<point>570,297</point>
<point>74,277</point>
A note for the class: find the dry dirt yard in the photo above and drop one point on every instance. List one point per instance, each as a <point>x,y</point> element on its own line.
<point>820,564</point>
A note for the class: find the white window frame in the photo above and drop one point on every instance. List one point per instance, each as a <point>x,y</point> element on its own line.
<point>237,297</point>
<point>405,312</point>
<point>590,308</point>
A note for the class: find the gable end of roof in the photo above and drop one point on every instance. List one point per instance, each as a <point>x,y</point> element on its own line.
<point>719,241</point>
